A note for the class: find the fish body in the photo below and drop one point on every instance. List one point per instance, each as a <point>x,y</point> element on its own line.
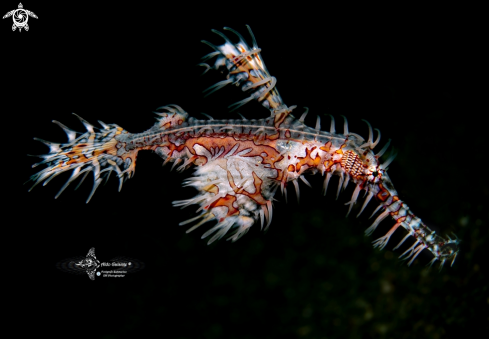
<point>241,164</point>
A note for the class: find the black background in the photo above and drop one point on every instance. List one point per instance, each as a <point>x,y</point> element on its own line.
<point>412,72</point>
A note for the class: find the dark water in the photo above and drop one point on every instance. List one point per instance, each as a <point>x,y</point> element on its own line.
<point>412,73</point>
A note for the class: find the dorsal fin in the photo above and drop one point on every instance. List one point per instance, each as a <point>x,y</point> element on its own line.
<point>171,117</point>
<point>245,68</point>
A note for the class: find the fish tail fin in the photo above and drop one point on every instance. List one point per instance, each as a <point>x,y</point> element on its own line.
<point>94,151</point>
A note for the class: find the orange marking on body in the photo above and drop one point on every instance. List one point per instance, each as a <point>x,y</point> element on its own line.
<point>201,160</point>
<point>291,168</point>
<point>173,147</point>
<point>340,151</point>
<point>278,119</point>
<point>383,194</point>
<point>272,155</point>
<point>273,136</point>
<point>398,222</point>
<point>394,228</point>
<point>401,219</point>
<point>228,202</point>
<point>326,147</point>
<point>257,182</point>
<point>287,134</point>
<point>329,163</point>
<point>307,160</point>
<point>280,175</point>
